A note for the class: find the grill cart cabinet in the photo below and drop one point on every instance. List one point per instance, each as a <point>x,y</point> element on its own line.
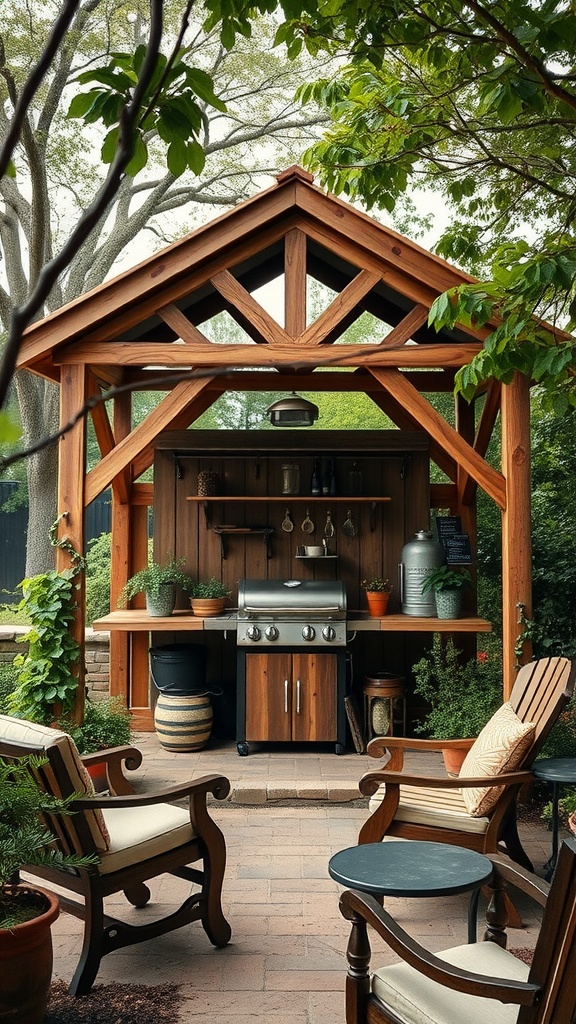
<point>291,697</point>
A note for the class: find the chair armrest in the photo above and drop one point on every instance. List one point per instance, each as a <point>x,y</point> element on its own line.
<point>117,760</point>
<point>378,746</point>
<point>371,782</point>
<point>362,909</point>
<point>218,785</point>
<point>522,879</point>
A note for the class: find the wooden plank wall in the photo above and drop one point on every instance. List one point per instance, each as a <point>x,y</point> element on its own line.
<point>180,528</point>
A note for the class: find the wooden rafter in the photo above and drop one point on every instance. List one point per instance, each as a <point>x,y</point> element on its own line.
<point>295,283</point>
<point>182,421</point>
<point>489,479</point>
<point>266,327</point>
<point>99,478</point>
<point>339,309</point>
<point>484,431</point>
<point>183,327</point>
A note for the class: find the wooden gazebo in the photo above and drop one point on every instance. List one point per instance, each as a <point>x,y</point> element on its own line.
<point>142,327</point>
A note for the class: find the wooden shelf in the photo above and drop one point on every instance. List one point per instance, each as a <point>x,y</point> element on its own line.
<point>136,620</point>
<point>288,498</point>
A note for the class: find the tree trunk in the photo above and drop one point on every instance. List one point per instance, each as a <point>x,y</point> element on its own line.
<point>38,400</point>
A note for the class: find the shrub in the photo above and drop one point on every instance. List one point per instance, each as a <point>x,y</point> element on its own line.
<point>98,577</point>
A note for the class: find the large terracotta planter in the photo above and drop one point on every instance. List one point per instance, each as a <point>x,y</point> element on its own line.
<point>26,965</point>
<point>454,758</point>
<point>377,603</point>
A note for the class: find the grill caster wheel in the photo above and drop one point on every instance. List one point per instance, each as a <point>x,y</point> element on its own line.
<point>339,748</point>
<point>243,748</point>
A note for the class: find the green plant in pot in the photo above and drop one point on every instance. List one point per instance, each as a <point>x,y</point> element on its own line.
<point>208,597</point>
<point>462,696</point>
<point>447,585</point>
<point>158,582</point>
<point>378,590</point>
<point>27,912</point>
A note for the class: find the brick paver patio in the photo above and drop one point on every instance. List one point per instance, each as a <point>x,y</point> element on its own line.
<point>285,963</point>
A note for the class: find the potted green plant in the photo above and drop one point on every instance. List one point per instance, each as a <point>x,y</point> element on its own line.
<point>158,582</point>
<point>462,696</point>
<point>208,597</point>
<point>27,913</point>
<point>378,590</point>
<point>447,585</point>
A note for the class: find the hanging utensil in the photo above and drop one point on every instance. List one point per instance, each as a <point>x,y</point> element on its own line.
<point>329,527</point>
<point>348,528</point>
<point>307,525</point>
<point>287,524</point>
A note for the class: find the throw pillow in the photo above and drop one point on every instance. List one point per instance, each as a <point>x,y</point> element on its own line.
<point>500,748</point>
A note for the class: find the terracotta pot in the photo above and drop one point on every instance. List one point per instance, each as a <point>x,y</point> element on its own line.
<point>377,603</point>
<point>207,607</point>
<point>454,759</point>
<point>26,965</point>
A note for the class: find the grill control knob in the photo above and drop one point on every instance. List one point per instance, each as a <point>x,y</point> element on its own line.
<point>271,633</point>
<point>308,633</point>
<point>329,633</point>
<point>253,633</point>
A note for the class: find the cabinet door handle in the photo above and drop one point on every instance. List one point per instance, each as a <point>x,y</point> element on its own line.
<point>285,696</point>
<point>297,696</point>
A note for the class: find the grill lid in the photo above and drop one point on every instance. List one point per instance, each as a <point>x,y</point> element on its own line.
<point>291,599</point>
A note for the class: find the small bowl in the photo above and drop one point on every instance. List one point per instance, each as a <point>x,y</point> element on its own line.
<point>314,550</point>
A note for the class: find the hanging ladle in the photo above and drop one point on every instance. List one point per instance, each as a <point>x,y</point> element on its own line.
<point>348,528</point>
<point>307,525</point>
<point>329,528</point>
<point>287,524</point>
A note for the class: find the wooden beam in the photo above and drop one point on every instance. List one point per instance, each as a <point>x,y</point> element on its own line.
<point>295,283</point>
<point>406,328</point>
<point>321,380</point>
<point>444,496</point>
<point>128,449</point>
<point>144,459</point>
<point>516,539</point>
<point>489,479</point>
<point>406,421</point>
<point>267,328</point>
<point>183,327</point>
<point>100,421</point>
<point>230,356</point>
<point>484,432</point>
<point>340,308</point>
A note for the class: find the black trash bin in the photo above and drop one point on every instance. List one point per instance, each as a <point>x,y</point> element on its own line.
<point>178,669</point>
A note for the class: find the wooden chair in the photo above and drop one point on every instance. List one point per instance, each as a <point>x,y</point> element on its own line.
<point>474,983</point>
<point>411,806</point>
<point>134,837</point>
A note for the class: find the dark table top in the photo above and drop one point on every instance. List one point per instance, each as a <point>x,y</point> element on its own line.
<point>410,868</point>
<point>555,769</point>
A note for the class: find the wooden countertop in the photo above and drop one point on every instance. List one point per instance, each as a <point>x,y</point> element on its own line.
<point>138,621</point>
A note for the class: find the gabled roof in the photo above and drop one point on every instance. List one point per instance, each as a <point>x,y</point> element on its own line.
<point>292,228</point>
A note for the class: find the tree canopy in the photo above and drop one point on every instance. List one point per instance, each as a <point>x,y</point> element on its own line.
<point>476,102</point>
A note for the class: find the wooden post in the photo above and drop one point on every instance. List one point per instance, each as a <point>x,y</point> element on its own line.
<point>516,539</point>
<point>120,568</point>
<point>467,512</point>
<point>71,470</point>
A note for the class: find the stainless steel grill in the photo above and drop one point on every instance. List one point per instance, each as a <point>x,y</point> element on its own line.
<point>294,613</point>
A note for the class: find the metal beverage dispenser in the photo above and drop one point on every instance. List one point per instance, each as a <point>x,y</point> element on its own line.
<point>419,557</point>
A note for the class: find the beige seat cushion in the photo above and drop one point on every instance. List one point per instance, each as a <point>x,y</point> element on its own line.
<point>138,833</point>
<point>17,730</point>
<point>419,1000</point>
<point>500,747</point>
<point>440,808</point>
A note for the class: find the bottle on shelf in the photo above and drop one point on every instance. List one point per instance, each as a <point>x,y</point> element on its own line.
<point>326,478</point>
<point>316,481</point>
<point>355,480</point>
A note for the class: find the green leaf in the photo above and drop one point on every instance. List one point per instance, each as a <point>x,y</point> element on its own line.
<point>82,103</point>
<point>139,156</point>
<point>177,157</point>
<point>196,157</point>
<point>108,151</point>
<point>203,86</point>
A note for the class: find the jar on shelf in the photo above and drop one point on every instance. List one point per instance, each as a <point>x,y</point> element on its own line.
<point>207,483</point>
<point>290,478</point>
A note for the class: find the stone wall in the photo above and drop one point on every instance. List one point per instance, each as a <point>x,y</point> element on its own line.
<point>97,656</point>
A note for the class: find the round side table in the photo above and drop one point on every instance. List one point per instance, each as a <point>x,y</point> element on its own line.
<point>382,695</point>
<point>413,868</point>
<point>557,771</point>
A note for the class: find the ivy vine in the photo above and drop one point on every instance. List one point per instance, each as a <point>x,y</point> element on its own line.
<point>48,671</point>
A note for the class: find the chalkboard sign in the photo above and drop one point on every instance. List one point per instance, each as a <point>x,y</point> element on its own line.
<point>455,543</point>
